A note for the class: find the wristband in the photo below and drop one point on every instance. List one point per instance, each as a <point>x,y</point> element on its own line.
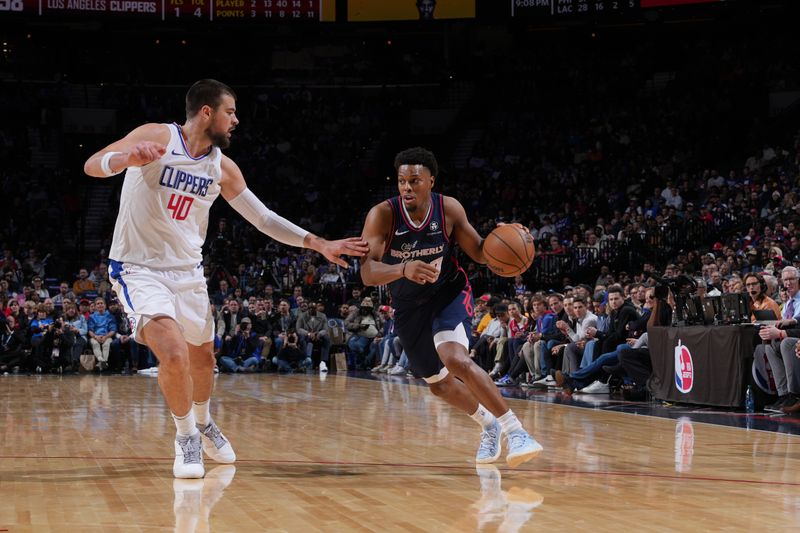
<point>105,165</point>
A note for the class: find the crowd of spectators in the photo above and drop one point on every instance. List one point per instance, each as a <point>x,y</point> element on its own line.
<point>663,167</point>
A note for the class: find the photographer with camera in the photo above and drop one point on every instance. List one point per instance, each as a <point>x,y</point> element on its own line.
<point>291,357</point>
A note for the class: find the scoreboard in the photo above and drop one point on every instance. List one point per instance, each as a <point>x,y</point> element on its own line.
<point>540,8</point>
<point>536,8</point>
<point>208,10</point>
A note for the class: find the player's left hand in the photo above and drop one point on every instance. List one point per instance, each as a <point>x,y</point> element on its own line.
<point>355,246</point>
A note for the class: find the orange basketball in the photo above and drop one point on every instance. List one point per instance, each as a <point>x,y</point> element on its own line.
<point>509,251</point>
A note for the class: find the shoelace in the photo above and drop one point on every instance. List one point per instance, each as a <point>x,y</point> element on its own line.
<point>191,450</point>
<point>488,437</point>
<point>213,433</point>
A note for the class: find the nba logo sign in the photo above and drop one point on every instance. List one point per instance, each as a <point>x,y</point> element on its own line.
<point>684,369</point>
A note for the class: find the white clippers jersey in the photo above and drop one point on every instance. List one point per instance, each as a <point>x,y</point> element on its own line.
<point>163,212</point>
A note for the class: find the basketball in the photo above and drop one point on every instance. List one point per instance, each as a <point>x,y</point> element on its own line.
<point>509,251</point>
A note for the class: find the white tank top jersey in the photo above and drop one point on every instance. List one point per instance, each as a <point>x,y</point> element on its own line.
<point>164,205</point>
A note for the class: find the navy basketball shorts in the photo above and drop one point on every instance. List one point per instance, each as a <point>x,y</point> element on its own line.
<point>423,328</point>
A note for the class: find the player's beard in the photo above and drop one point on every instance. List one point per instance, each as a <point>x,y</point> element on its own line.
<point>220,140</point>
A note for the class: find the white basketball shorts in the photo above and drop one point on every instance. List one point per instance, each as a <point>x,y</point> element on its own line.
<point>147,293</point>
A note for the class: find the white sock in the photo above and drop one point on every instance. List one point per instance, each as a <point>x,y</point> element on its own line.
<point>483,417</point>
<point>509,422</point>
<point>201,412</point>
<point>185,424</point>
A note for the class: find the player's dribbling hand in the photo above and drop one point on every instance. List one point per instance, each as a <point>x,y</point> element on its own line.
<point>355,246</point>
<point>145,152</point>
<point>421,272</point>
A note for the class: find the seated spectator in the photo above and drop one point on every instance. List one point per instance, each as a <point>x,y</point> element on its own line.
<point>231,315</point>
<point>332,276</point>
<point>76,329</point>
<point>263,326</point>
<point>488,351</point>
<point>39,288</point>
<point>40,339</point>
<point>364,325</point>
<point>83,284</point>
<point>223,293</point>
<point>544,324</point>
<point>244,351</point>
<point>12,342</point>
<point>102,329</point>
<point>15,310</point>
<point>285,322</point>
<point>313,325</point>
<point>85,307</point>
<point>124,348</point>
<point>584,331</point>
<point>64,293</point>
<point>517,335</point>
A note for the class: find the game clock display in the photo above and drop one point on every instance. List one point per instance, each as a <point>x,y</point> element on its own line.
<point>207,10</point>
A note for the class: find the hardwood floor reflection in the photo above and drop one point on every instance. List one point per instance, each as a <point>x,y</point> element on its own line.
<point>90,453</point>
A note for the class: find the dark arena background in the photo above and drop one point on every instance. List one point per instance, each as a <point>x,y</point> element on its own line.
<point>651,148</point>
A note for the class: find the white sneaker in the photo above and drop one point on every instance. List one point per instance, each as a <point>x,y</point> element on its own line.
<point>547,380</point>
<point>396,370</point>
<point>215,444</point>
<point>598,387</point>
<point>323,368</point>
<point>188,457</point>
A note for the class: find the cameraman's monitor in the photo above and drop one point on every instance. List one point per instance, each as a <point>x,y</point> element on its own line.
<point>711,309</point>
<point>735,308</point>
<point>694,310</point>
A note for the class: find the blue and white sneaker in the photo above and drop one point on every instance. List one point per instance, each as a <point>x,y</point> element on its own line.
<point>521,447</point>
<point>506,381</point>
<point>489,449</point>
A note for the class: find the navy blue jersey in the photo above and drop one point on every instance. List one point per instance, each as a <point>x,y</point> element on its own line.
<point>427,242</point>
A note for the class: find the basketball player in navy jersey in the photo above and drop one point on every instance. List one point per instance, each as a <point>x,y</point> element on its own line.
<point>174,174</point>
<point>412,239</point>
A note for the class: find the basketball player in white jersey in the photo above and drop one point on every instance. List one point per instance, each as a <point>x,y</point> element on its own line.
<point>174,174</point>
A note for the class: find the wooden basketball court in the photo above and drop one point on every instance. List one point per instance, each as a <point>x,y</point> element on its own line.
<point>94,453</point>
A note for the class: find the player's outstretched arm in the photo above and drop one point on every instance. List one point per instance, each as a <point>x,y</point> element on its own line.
<point>463,232</point>
<point>143,145</point>
<point>235,191</point>
<point>373,270</point>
